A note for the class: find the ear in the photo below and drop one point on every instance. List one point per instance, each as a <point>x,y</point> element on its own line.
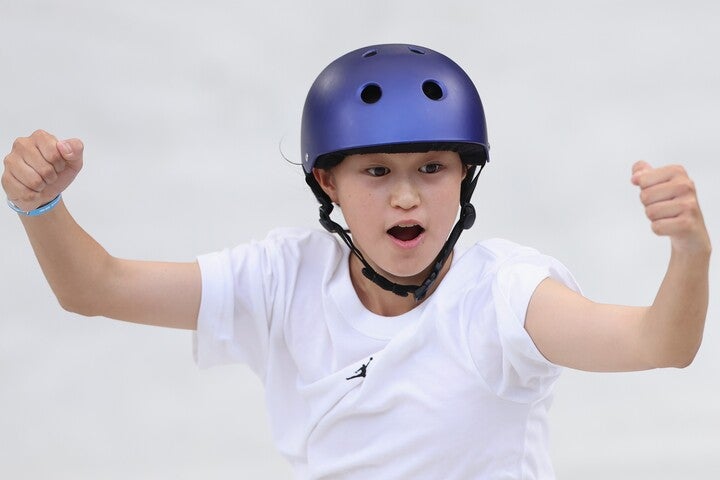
<point>326,180</point>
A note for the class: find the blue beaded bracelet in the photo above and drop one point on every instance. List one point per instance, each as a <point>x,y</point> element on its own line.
<point>39,210</point>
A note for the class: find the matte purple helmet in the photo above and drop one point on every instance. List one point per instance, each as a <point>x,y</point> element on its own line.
<point>402,97</point>
<point>393,98</point>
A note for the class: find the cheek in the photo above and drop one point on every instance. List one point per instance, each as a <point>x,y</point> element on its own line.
<point>448,207</point>
<point>363,215</point>
<point>354,196</point>
<point>358,208</point>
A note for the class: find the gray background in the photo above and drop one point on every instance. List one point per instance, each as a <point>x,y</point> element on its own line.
<point>184,108</point>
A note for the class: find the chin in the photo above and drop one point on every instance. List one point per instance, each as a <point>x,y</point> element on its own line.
<point>405,268</point>
<point>409,275</point>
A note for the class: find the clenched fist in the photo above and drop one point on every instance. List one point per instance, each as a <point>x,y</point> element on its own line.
<point>40,167</point>
<point>671,204</point>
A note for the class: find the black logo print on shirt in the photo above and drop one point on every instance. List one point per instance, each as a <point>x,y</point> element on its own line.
<point>362,371</point>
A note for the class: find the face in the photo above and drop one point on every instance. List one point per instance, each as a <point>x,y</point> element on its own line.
<point>400,207</point>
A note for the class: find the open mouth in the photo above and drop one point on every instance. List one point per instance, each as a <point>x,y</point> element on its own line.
<point>406,233</point>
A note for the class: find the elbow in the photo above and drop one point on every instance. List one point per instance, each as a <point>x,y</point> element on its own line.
<point>72,304</point>
<point>681,358</point>
<point>681,362</point>
<point>66,301</point>
<point>686,360</point>
<point>69,306</point>
<point>84,293</point>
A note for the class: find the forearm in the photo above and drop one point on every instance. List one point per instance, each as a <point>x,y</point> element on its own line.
<point>72,261</point>
<point>89,281</point>
<point>674,323</point>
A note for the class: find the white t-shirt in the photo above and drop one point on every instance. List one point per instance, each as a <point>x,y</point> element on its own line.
<point>453,389</point>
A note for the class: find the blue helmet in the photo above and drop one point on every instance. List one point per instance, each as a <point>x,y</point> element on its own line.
<point>393,98</point>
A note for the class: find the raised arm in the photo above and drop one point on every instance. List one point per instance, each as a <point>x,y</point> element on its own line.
<point>573,331</point>
<point>83,276</point>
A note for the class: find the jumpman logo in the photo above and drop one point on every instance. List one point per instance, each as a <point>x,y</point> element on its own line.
<point>362,371</point>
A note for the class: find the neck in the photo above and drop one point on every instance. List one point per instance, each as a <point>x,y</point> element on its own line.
<point>385,303</point>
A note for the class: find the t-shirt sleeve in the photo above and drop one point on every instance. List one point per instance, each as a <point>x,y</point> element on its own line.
<point>233,321</point>
<point>512,365</point>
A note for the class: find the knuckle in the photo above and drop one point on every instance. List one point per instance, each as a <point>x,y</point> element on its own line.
<point>688,186</point>
<point>47,172</point>
<point>20,143</point>
<point>57,161</point>
<point>691,208</point>
<point>650,213</point>
<point>678,170</point>
<point>36,183</point>
<point>683,184</point>
<point>39,133</point>
<point>56,165</point>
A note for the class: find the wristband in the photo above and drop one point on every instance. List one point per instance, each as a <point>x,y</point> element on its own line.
<point>39,210</point>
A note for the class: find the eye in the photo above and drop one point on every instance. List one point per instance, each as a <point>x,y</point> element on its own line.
<point>377,171</point>
<point>431,168</point>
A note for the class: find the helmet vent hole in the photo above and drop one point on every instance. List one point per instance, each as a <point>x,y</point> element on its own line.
<point>369,53</point>
<point>371,93</point>
<point>432,90</point>
<point>416,50</point>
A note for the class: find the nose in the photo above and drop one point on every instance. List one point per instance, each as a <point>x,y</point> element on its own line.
<point>405,194</point>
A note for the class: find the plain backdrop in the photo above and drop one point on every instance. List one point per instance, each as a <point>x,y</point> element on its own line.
<point>187,109</point>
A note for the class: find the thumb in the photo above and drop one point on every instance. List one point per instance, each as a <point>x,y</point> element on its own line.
<point>71,150</point>
<point>637,168</point>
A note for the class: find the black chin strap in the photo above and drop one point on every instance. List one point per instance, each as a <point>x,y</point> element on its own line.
<point>465,221</point>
